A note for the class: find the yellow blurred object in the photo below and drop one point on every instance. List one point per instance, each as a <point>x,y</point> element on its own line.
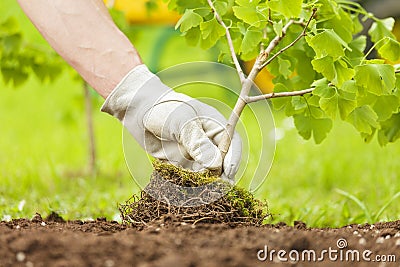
<point>137,11</point>
<point>264,78</point>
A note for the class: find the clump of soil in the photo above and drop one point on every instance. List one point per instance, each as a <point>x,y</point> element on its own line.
<point>186,196</point>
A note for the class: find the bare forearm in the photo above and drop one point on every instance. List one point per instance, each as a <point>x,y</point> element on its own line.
<point>83,33</point>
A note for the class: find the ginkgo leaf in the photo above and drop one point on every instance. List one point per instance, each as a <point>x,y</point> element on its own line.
<point>250,41</point>
<point>288,8</point>
<point>342,73</point>
<point>278,28</point>
<point>325,66</point>
<point>280,102</point>
<point>308,125</point>
<point>332,102</point>
<point>211,31</point>
<point>381,29</point>
<point>385,106</point>
<point>328,43</point>
<point>364,119</point>
<point>342,24</point>
<point>247,14</point>
<point>189,20</point>
<point>390,130</point>
<point>284,67</point>
<point>335,71</point>
<point>376,78</point>
<point>390,50</point>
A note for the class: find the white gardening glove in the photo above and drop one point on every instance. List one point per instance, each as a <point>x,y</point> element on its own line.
<point>172,126</point>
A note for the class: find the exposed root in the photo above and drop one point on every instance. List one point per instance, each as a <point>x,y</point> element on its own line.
<point>200,198</point>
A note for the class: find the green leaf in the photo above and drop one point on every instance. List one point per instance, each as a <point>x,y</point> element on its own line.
<point>247,3</point>
<point>192,36</point>
<point>343,73</point>
<point>192,4</point>
<point>221,7</point>
<point>330,104</point>
<point>332,101</point>
<point>280,102</point>
<point>250,41</point>
<point>390,130</point>
<point>211,32</point>
<point>322,88</point>
<point>189,20</point>
<point>328,43</point>
<point>288,8</point>
<point>346,106</point>
<point>349,87</point>
<point>247,14</point>
<point>325,66</point>
<point>381,29</point>
<point>15,76</point>
<point>284,67</point>
<point>9,25</point>
<point>11,43</point>
<point>364,119</point>
<point>358,27</point>
<point>376,78</point>
<point>299,103</point>
<point>358,46</point>
<point>278,26</point>
<point>385,106</point>
<point>390,50</point>
<point>335,71</point>
<point>342,24</point>
<point>308,125</point>
<point>303,65</point>
<point>327,9</point>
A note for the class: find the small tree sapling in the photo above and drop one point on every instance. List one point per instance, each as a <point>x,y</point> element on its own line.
<point>316,51</point>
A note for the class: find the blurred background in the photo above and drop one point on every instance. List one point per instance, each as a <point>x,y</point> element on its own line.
<point>59,153</point>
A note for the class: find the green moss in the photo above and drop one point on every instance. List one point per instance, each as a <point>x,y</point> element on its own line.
<point>183,177</point>
<point>241,200</point>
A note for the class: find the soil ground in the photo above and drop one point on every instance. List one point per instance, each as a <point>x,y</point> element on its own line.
<point>53,242</point>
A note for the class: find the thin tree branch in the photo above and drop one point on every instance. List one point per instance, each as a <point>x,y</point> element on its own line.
<point>230,42</point>
<point>251,99</point>
<point>278,38</point>
<point>264,54</point>
<point>303,33</point>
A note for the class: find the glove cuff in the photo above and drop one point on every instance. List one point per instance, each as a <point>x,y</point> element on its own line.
<point>118,101</point>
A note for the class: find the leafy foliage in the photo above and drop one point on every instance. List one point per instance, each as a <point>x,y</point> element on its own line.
<point>19,58</point>
<point>331,58</point>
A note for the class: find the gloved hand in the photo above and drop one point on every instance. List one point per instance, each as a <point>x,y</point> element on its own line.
<point>172,126</point>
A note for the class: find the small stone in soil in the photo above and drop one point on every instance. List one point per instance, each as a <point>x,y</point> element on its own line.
<point>20,256</point>
<point>109,263</point>
<point>380,240</point>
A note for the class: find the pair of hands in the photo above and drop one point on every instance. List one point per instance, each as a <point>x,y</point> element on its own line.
<point>172,126</point>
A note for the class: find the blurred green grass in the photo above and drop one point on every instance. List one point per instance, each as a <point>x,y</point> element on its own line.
<point>43,156</point>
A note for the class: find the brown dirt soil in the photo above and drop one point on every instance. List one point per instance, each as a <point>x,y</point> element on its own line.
<point>53,242</point>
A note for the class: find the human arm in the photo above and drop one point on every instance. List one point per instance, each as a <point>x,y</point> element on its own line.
<point>84,34</point>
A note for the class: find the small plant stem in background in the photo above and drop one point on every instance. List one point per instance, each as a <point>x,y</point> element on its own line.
<point>92,155</point>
